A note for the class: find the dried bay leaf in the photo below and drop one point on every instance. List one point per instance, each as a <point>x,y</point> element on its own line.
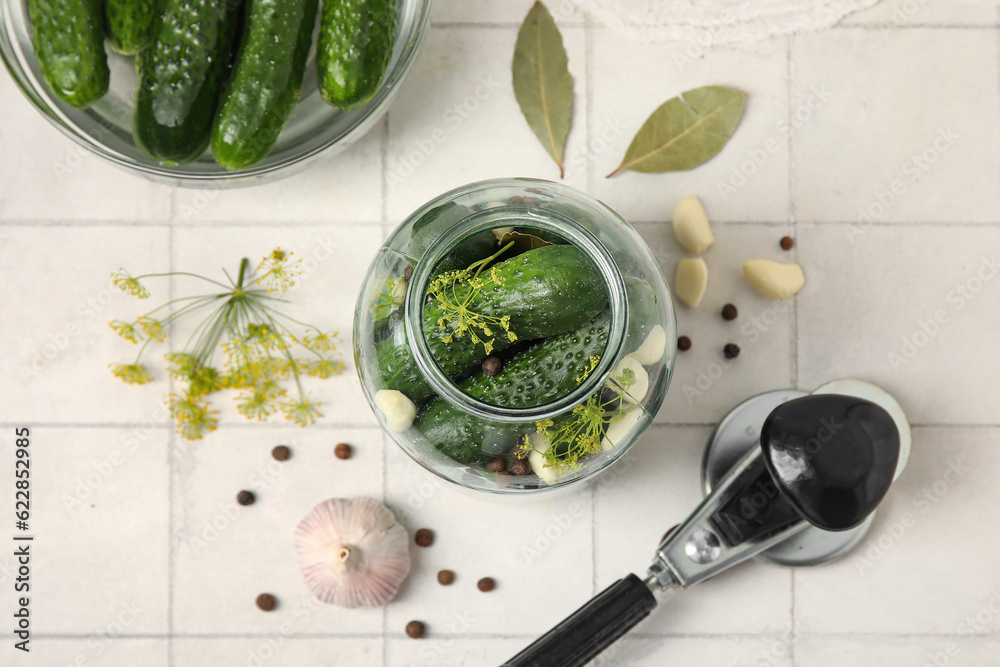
<point>685,131</point>
<point>542,82</point>
<point>523,242</point>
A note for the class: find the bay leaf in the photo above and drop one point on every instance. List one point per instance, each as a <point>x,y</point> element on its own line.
<point>542,82</point>
<point>522,243</point>
<point>685,131</point>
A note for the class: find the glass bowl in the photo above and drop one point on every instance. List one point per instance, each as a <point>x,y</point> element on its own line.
<point>105,128</point>
<point>513,431</point>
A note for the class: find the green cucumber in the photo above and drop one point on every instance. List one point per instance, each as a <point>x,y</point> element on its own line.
<point>546,292</point>
<point>642,310</point>
<point>181,74</point>
<point>266,81</point>
<point>536,376</point>
<point>354,49</point>
<point>68,37</point>
<point>129,24</point>
<point>544,372</point>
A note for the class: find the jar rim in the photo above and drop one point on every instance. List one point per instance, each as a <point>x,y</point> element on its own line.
<point>492,218</point>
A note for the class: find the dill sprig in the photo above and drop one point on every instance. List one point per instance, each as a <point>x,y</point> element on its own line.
<point>259,345</point>
<point>387,298</point>
<point>454,292</point>
<point>579,433</point>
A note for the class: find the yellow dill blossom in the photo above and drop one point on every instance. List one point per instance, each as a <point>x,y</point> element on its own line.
<point>278,271</point>
<point>242,342</point>
<point>126,283</point>
<point>594,360</point>
<point>125,330</point>
<point>153,329</point>
<point>302,411</point>
<point>131,373</point>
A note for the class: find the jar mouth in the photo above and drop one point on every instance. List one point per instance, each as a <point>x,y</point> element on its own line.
<point>489,219</point>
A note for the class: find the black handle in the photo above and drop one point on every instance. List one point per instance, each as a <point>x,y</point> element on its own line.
<point>592,628</point>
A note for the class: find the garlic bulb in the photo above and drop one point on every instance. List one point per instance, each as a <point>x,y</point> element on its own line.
<point>352,552</point>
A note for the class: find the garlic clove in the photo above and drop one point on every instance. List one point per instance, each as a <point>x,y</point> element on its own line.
<point>619,429</point>
<point>652,348</point>
<point>635,390</point>
<point>551,475</point>
<point>691,225</point>
<point>774,280</point>
<point>398,410</point>
<point>690,281</point>
<point>352,552</point>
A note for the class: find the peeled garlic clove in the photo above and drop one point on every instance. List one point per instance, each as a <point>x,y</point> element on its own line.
<point>619,429</point>
<point>398,410</point>
<point>690,281</point>
<point>352,552</point>
<point>550,474</point>
<point>691,225</point>
<point>774,279</point>
<point>636,384</point>
<point>652,348</point>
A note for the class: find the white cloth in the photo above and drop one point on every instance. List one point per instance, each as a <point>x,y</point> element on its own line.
<point>709,22</point>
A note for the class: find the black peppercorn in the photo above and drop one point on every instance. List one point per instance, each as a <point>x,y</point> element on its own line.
<point>731,350</point>
<point>446,577</point>
<point>492,365</point>
<point>486,584</point>
<point>415,629</point>
<point>281,453</point>
<point>424,537</point>
<point>496,464</point>
<point>683,343</point>
<point>266,602</point>
<point>729,312</point>
<point>787,243</point>
<point>245,497</point>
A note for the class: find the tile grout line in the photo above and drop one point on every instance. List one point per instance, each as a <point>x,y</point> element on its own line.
<point>170,481</point>
<point>385,172</point>
<point>793,366</point>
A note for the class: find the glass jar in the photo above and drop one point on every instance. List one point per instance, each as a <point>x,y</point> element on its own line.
<point>546,398</point>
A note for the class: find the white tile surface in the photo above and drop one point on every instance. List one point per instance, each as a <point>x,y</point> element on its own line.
<point>253,545</point>
<point>456,118</point>
<point>507,12</point>
<point>705,384</point>
<point>907,310</point>
<point>279,651</point>
<point>622,102</point>
<point>58,299</point>
<point>46,176</point>
<point>92,651</point>
<point>99,502</point>
<point>890,143</point>
<point>923,568</point>
<point>893,75</point>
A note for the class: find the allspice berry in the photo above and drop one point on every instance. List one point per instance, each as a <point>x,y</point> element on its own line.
<point>496,464</point>
<point>731,350</point>
<point>683,343</point>
<point>281,453</point>
<point>520,467</point>
<point>245,498</point>
<point>729,312</point>
<point>415,629</point>
<point>408,272</point>
<point>486,584</point>
<point>492,365</point>
<point>424,537</point>
<point>787,243</point>
<point>342,451</point>
<point>446,577</point>
<point>266,602</point>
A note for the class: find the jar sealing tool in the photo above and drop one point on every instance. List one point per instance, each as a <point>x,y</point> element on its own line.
<point>791,478</point>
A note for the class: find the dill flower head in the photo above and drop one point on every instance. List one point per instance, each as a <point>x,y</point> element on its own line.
<point>242,342</point>
<point>126,283</point>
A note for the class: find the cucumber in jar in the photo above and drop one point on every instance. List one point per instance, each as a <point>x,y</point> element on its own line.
<point>68,38</point>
